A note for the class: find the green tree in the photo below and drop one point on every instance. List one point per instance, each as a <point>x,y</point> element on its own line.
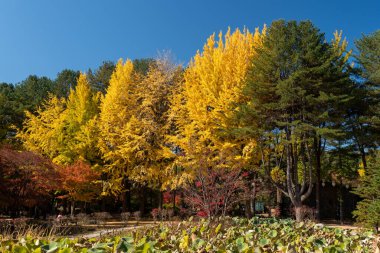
<point>368,56</point>
<point>100,78</point>
<point>142,66</point>
<point>65,80</point>
<point>31,92</point>
<point>10,113</point>
<point>363,121</point>
<point>295,89</point>
<point>368,210</point>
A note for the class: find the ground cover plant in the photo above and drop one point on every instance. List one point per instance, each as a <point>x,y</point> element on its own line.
<point>227,235</point>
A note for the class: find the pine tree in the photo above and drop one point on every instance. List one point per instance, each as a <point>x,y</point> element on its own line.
<point>295,88</point>
<point>368,210</point>
<point>363,118</point>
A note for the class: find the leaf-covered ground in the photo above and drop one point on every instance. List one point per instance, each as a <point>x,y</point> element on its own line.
<point>229,235</point>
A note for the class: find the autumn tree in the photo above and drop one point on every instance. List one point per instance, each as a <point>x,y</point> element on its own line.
<point>204,107</point>
<point>134,144</point>
<point>80,182</point>
<point>215,189</point>
<point>43,132</point>
<point>116,111</point>
<point>60,128</point>
<point>81,113</point>
<point>26,179</point>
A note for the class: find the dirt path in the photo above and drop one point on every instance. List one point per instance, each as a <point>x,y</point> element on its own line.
<point>110,231</point>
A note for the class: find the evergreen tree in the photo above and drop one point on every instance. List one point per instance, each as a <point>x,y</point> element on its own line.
<point>31,92</point>
<point>100,78</point>
<point>368,210</point>
<point>368,57</point>
<point>363,119</point>
<point>66,80</point>
<point>295,88</point>
<point>10,112</point>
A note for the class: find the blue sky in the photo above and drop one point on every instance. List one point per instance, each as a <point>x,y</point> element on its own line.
<point>43,37</point>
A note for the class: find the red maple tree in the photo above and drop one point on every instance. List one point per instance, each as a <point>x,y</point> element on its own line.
<point>79,181</point>
<point>26,179</point>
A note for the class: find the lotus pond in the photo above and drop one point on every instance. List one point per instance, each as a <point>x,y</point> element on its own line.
<point>228,235</point>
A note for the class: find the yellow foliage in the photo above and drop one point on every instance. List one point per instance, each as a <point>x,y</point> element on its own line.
<point>278,175</point>
<point>43,131</point>
<point>204,107</point>
<point>133,123</point>
<point>116,110</point>
<point>57,129</point>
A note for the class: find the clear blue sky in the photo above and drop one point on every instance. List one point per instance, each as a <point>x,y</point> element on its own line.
<point>43,37</point>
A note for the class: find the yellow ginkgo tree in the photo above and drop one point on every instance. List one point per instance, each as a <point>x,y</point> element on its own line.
<point>133,124</point>
<point>58,128</point>
<point>205,106</point>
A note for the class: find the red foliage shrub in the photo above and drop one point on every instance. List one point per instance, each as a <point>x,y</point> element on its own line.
<point>26,179</point>
<point>78,180</point>
<point>215,191</point>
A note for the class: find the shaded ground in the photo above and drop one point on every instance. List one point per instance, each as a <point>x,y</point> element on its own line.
<point>112,228</point>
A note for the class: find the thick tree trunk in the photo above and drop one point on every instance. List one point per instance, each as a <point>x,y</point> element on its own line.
<point>298,213</point>
<point>279,201</point>
<point>278,198</point>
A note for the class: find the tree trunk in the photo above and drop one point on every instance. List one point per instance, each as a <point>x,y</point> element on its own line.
<point>248,211</point>
<point>364,159</point>
<point>142,200</point>
<point>279,201</point>
<point>124,201</point>
<point>160,200</point>
<point>317,147</point>
<point>341,211</point>
<point>103,204</point>
<point>278,197</point>
<point>174,195</point>
<point>298,213</point>
<point>72,208</point>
